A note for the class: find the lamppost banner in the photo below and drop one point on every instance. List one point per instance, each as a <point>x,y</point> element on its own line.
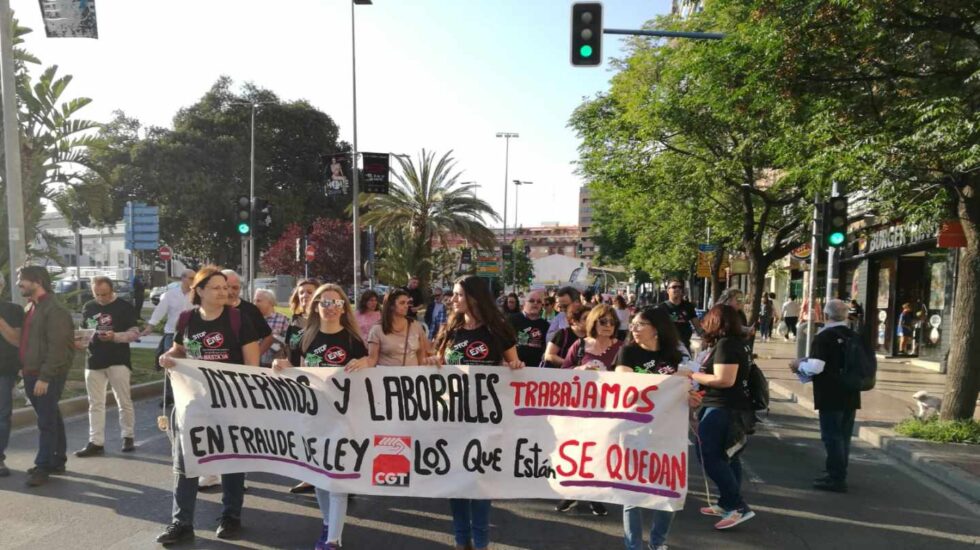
<point>338,175</point>
<point>375,172</point>
<point>69,18</point>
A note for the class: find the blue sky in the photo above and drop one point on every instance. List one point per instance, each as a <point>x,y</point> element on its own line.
<point>431,74</point>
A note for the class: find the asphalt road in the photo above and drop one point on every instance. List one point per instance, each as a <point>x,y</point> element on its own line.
<point>123,501</point>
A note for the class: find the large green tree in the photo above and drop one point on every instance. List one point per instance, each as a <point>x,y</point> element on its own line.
<point>896,85</point>
<point>196,171</point>
<point>429,204</point>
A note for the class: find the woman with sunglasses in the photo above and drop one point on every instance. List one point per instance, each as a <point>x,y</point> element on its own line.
<point>398,340</point>
<point>654,347</point>
<point>299,305</point>
<point>561,342</point>
<point>596,351</point>
<point>331,339</point>
<point>238,344</point>
<point>475,334</point>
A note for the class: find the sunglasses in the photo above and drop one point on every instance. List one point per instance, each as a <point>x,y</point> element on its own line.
<point>330,303</point>
<point>608,322</point>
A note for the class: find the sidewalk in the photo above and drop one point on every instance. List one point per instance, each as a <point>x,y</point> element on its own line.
<point>955,465</point>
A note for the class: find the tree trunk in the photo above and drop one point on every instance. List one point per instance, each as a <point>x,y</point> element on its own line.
<point>715,268</point>
<point>757,280</point>
<point>963,367</point>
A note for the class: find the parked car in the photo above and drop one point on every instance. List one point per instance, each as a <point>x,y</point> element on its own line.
<point>156,293</point>
<point>69,289</point>
<point>124,290</point>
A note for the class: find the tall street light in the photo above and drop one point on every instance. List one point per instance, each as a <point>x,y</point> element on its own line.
<point>355,207</point>
<point>249,267</point>
<point>517,187</point>
<point>506,136</point>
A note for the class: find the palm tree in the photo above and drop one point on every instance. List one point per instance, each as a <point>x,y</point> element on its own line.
<point>428,204</point>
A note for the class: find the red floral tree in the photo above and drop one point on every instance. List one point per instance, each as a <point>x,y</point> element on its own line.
<point>334,244</point>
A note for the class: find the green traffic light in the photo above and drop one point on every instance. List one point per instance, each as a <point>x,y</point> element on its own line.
<point>585,51</point>
<point>836,239</point>
<point>243,228</point>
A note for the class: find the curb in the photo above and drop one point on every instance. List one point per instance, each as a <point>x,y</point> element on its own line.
<point>898,448</point>
<point>25,416</point>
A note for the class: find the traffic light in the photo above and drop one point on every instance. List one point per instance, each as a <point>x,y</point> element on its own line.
<point>263,213</point>
<point>835,222</point>
<point>586,34</point>
<point>507,252</point>
<point>244,219</point>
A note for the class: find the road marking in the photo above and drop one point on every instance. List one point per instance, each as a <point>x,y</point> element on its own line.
<point>753,477</point>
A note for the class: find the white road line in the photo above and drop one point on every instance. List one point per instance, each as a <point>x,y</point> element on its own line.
<point>753,476</point>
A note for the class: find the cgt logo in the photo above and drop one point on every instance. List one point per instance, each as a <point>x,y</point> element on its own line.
<point>391,464</point>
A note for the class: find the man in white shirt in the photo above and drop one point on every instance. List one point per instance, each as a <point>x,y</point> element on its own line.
<point>174,301</point>
<point>791,315</point>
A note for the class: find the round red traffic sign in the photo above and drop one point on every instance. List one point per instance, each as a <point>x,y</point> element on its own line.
<point>166,253</point>
<point>310,252</point>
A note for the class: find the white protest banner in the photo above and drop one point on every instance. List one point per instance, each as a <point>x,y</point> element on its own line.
<point>472,432</point>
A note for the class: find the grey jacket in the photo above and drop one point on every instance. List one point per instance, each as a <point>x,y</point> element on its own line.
<point>50,340</point>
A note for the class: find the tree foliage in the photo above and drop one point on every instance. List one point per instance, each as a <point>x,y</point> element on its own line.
<point>333,241</point>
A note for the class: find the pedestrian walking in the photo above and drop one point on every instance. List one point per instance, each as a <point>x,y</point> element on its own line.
<point>475,334</point>
<point>681,311</point>
<point>791,315</point>
<point>562,341</point>
<point>565,297</point>
<point>331,339</point>
<point>46,352</point>
<point>767,317</point>
<point>836,404</point>
<point>108,362</point>
<point>397,340</point>
<point>139,294</point>
<point>265,300</point>
<point>530,329</point>
<point>654,347</point>
<point>238,344</point>
<point>368,311</point>
<point>722,417</point>
<point>435,313</point>
<point>11,321</point>
<point>904,328</point>
<point>597,351</point>
<point>623,313</point>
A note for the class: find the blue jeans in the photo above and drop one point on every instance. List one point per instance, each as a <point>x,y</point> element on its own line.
<point>7,383</point>
<point>713,428</point>
<point>471,521</point>
<point>51,443</point>
<point>185,488</point>
<point>836,428</point>
<point>633,527</point>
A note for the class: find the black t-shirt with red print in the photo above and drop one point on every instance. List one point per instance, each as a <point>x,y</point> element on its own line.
<point>476,347</point>
<point>215,340</point>
<point>329,350</point>
<point>530,338</point>
<point>116,316</point>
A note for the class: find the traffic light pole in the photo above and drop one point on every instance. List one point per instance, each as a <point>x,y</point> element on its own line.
<point>814,261</point>
<point>250,275</point>
<point>16,231</point>
<point>832,257</point>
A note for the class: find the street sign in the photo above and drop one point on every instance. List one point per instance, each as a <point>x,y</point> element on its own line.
<point>142,226</point>
<point>705,247</point>
<point>166,253</point>
<point>310,252</point>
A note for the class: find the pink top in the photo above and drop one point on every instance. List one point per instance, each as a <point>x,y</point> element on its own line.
<point>367,320</point>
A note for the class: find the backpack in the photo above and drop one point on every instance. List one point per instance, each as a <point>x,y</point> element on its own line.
<point>860,367</point>
<point>756,388</point>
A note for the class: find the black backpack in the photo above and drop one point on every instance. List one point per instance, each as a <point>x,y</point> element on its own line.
<point>756,388</point>
<point>860,367</point>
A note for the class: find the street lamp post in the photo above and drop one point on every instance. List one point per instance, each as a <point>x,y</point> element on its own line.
<point>249,266</point>
<point>355,207</point>
<point>517,187</point>
<point>506,136</point>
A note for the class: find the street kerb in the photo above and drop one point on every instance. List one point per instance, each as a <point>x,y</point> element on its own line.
<point>930,462</point>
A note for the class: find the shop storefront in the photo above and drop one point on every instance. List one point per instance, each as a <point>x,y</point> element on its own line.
<point>889,267</point>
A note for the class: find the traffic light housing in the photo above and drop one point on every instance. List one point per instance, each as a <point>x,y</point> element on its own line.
<point>243,221</point>
<point>835,222</point>
<point>586,34</point>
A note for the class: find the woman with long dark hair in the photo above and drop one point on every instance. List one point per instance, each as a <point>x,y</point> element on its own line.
<point>724,364</point>
<point>331,339</point>
<point>512,305</point>
<point>239,345</point>
<point>367,313</point>
<point>398,340</point>
<point>653,347</point>
<point>476,333</point>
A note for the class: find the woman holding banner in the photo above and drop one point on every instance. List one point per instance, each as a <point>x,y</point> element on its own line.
<point>299,305</point>
<point>562,341</point>
<point>475,334</point>
<point>331,339</point>
<point>238,344</point>
<point>654,347</point>
<point>397,340</point>
<point>721,424</point>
